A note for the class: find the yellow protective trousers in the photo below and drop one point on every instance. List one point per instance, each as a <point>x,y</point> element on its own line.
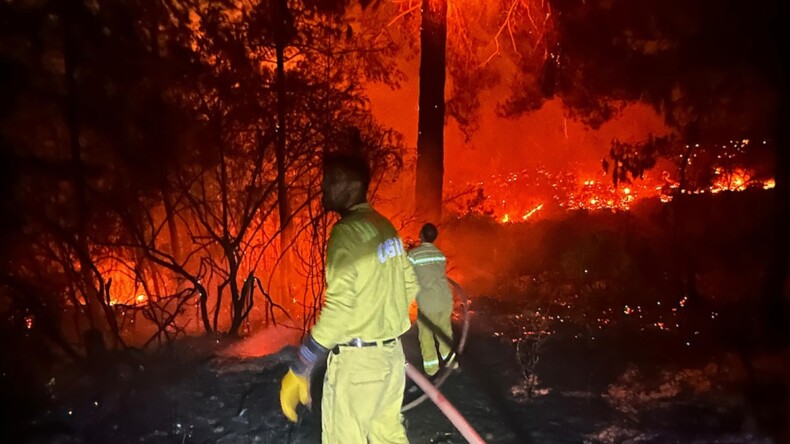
<point>363,395</point>
<point>428,338</point>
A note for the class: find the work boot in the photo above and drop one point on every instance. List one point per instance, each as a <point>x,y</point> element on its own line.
<point>450,362</point>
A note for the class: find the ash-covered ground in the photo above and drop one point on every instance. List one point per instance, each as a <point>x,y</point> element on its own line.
<point>613,386</point>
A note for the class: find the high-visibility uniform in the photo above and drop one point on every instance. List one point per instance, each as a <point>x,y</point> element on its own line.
<point>435,301</point>
<point>370,284</point>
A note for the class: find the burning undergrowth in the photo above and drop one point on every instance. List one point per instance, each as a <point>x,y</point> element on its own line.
<point>593,327</point>
<point>650,312</point>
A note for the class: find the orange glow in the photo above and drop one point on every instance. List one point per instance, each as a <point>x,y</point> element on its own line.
<point>531,212</point>
<point>520,196</point>
<point>413,310</point>
<point>736,180</point>
<point>265,342</point>
<point>125,288</point>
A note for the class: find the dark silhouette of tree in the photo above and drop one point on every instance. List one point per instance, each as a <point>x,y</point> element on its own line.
<point>462,45</point>
<point>714,70</point>
<point>142,146</point>
<point>709,67</point>
<point>430,135</point>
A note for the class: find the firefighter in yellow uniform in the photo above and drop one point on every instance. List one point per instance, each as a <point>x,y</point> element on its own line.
<point>370,285</point>
<point>435,300</point>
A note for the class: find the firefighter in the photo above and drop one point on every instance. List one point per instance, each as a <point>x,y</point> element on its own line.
<point>435,300</point>
<point>370,285</point>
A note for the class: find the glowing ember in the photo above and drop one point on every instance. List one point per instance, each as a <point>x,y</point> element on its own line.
<point>736,180</point>
<point>531,212</point>
<point>519,196</point>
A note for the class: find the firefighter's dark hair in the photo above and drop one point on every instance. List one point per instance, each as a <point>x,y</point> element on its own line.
<point>356,167</point>
<point>429,232</point>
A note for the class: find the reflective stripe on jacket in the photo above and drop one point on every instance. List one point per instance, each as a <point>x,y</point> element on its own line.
<point>430,266</point>
<point>370,281</point>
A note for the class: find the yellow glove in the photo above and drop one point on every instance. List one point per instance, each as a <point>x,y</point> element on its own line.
<point>294,390</point>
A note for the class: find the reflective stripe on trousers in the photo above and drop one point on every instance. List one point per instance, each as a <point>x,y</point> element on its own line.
<point>428,339</point>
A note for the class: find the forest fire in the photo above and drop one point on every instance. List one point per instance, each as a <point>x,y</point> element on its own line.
<point>527,195</point>
<point>185,232</point>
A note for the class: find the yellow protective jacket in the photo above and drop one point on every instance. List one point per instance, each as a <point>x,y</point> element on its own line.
<point>370,281</point>
<point>430,267</point>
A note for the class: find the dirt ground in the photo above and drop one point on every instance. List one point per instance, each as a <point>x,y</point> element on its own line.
<point>614,388</point>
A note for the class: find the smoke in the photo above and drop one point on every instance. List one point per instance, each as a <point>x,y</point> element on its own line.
<point>264,342</point>
<point>546,137</point>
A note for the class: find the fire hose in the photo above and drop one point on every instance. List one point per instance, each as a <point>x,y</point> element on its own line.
<point>457,350</point>
<point>431,391</point>
<point>444,405</point>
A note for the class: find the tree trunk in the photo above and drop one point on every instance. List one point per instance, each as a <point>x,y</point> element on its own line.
<point>282,191</point>
<point>172,226</point>
<point>167,199</point>
<point>92,298</point>
<point>203,293</point>
<point>236,297</point>
<point>430,136</point>
<point>284,209</point>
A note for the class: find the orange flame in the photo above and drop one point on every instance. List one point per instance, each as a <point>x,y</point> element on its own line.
<point>516,197</point>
